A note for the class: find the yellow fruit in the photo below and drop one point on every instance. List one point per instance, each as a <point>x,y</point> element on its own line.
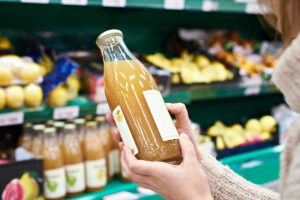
<point>238,128</point>
<point>220,144</point>
<point>73,82</point>
<point>14,96</point>
<point>30,185</point>
<point>2,99</point>
<point>30,72</point>
<point>33,95</point>
<point>6,75</point>
<point>268,123</point>
<point>217,129</point>
<point>202,61</point>
<point>266,136</point>
<point>253,125</point>
<point>58,97</point>
<point>13,62</point>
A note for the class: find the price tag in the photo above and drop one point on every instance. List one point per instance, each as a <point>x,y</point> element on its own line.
<point>174,4</point>
<point>252,8</point>
<point>250,91</point>
<point>102,109</point>
<point>35,1</point>
<point>114,3</point>
<point>12,118</point>
<point>66,112</point>
<point>208,6</point>
<point>75,2</point>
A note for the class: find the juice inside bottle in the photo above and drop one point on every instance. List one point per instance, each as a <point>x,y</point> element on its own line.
<point>74,163</point>
<point>106,141</point>
<point>59,125</point>
<point>137,106</point>
<point>80,128</point>
<point>37,141</point>
<point>25,140</point>
<point>94,156</point>
<point>54,172</point>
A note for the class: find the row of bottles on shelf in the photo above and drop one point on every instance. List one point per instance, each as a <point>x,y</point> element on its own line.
<point>79,155</point>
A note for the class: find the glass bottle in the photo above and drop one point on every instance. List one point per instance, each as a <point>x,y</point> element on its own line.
<point>80,128</point>
<point>59,125</point>
<point>106,141</point>
<point>25,140</point>
<point>37,142</point>
<point>73,160</point>
<point>54,172</point>
<point>137,106</point>
<point>94,156</point>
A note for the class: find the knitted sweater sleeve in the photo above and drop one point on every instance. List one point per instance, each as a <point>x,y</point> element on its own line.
<point>227,185</point>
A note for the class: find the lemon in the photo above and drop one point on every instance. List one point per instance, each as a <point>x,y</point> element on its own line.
<point>14,96</point>
<point>33,95</point>
<point>253,125</point>
<point>58,97</point>
<point>2,99</point>
<point>6,75</point>
<point>30,72</point>
<point>268,123</point>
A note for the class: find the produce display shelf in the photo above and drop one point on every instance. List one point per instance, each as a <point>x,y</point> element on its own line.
<point>264,163</point>
<point>184,94</point>
<point>229,6</point>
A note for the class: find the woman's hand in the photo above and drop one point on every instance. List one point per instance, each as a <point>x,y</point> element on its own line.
<point>186,181</point>
<point>183,124</point>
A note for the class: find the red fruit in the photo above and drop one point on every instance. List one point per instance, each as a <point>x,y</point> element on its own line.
<point>13,191</point>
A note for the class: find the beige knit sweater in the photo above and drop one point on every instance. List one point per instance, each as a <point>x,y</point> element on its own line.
<point>225,184</point>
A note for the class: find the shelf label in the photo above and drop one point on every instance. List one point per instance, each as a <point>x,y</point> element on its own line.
<point>114,3</point>
<point>208,6</point>
<point>174,4</point>
<point>121,196</point>
<point>68,112</point>
<point>35,1</point>
<point>12,118</point>
<point>252,8</point>
<point>75,2</point>
<point>250,91</point>
<point>102,109</point>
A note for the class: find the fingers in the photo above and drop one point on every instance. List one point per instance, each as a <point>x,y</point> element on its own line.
<point>110,119</point>
<point>188,150</point>
<point>117,135</point>
<point>181,114</point>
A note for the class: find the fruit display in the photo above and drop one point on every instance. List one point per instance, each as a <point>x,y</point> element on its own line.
<point>25,188</point>
<point>192,69</point>
<point>236,135</point>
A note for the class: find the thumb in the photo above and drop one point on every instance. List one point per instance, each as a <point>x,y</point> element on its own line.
<point>188,150</point>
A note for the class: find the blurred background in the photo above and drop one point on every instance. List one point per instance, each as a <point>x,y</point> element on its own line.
<point>215,56</point>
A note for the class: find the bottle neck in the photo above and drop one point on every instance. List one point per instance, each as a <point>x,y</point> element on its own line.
<point>50,139</point>
<point>113,49</point>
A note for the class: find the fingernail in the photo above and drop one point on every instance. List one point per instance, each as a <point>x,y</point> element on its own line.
<point>170,105</point>
<point>183,135</point>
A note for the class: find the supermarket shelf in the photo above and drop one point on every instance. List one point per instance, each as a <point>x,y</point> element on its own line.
<point>229,6</point>
<point>184,94</point>
<point>264,163</point>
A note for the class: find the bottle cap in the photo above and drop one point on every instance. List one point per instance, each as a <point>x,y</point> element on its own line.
<point>49,122</point>
<point>106,34</point>
<point>91,124</point>
<point>58,124</point>
<point>28,125</point>
<point>70,127</point>
<point>79,121</point>
<point>38,127</point>
<point>100,119</point>
<point>49,130</point>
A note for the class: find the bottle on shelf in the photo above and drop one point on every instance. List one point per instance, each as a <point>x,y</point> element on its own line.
<point>49,123</point>
<point>74,163</point>
<point>37,142</point>
<point>59,125</point>
<point>106,141</point>
<point>116,151</point>
<point>94,155</point>
<point>25,140</point>
<point>88,118</point>
<point>136,103</point>
<point>80,128</point>
<point>54,172</point>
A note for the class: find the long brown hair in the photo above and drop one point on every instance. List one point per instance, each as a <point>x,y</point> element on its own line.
<point>283,16</point>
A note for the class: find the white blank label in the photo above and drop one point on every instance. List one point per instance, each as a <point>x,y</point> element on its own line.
<point>209,6</point>
<point>66,112</point>
<point>11,118</point>
<point>35,1</point>
<point>75,2</point>
<point>102,109</point>
<point>174,4</point>
<point>114,3</point>
<point>252,91</point>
